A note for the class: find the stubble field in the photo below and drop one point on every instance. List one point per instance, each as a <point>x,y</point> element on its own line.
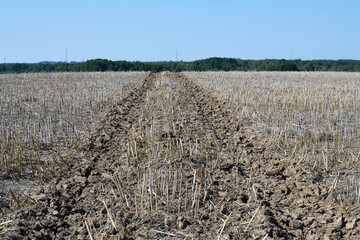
<point>210,155</point>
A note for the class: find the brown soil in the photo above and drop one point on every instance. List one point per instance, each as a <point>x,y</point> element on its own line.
<point>170,161</point>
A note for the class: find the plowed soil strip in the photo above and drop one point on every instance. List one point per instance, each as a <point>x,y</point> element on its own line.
<point>171,161</point>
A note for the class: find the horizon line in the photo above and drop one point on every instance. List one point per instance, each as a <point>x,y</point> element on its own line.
<point>147,61</point>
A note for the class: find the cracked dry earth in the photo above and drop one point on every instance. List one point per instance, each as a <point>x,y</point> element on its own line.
<point>171,161</point>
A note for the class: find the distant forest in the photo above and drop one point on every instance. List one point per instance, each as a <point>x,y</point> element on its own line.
<point>210,64</point>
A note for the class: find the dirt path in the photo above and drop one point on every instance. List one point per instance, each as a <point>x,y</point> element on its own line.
<point>172,162</point>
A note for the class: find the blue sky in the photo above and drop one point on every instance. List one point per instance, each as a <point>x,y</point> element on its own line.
<point>37,30</point>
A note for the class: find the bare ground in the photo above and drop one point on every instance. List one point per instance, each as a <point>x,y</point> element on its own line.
<point>171,161</point>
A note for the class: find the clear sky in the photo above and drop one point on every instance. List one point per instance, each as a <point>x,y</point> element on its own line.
<point>153,30</point>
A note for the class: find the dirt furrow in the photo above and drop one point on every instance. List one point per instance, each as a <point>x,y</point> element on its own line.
<point>170,161</point>
<point>294,201</point>
<point>61,208</point>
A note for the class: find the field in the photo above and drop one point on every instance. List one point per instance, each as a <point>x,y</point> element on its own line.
<point>314,117</point>
<point>52,111</point>
<point>196,155</point>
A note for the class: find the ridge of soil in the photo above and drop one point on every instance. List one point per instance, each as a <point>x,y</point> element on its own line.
<point>170,161</point>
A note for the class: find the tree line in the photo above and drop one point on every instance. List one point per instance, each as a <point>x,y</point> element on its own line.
<point>209,64</point>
